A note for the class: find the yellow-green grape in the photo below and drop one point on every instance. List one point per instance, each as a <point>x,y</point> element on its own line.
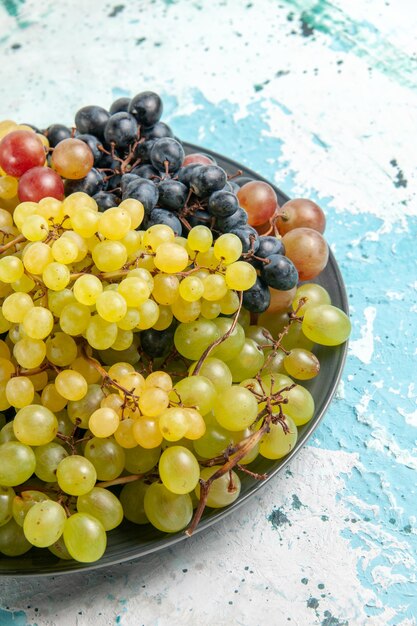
<point>193,338</point>
<point>247,363</point>
<point>118,370</point>
<point>156,235</point>
<point>301,364</point>
<point>134,290</point>
<point>24,285</point>
<point>44,523</point>
<point>196,425</point>
<point>61,349</point>
<point>35,228</point>
<point>277,443</point>
<point>111,306</point>
<point>143,258</point>
<point>78,202</point>
<point>123,341</point>
<point>85,223</point>
<point>124,434</point>
<point>107,456</point>
<point>207,259</point>
<point>171,258</point>
<point>22,212</point>
<point>82,248</point>
<point>36,257</point>
<point>35,425</point>
<point>6,218</point>
<point>57,300</point>
<point>17,463</point>
<point>71,385</point>
<point>39,380</point>
<point>228,248</point>
<point>16,306</point>
<point>295,338</point>
<point>235,408</point>
<point>48,457</point>
<point>64,250</point>
<point>215,287</point>
<point>314,294</point>
<point>240,276</point>
<point>165,289</point>
<point>326,325</point>
<point>76,475</point>
<point>191,288</point>
<point>174,423</point>
<point>132,242</point>
<point>217,371</point>
<point>146,432</point>
<point>164,319</point>
<point>153,401</point>
<point>167,511</point>
<point>179,469</point>
<point>7,496</point>
<point>223,490</point>
<point>253,452</point>
<point>103,505</point>
<point>87,288</point>
<point>140,460</point>
<point>132,500</point>
<point>159,379</point>
<point>11,269</point>
<point>4,403</point>
<point>7,369</point>
<point>109,256</point>
<point>144,274</point>
<point>87,369</point>
<point>29,353</point>
<point>15,333</point>
<point>185,311</point>
<point>56,276</point>
<point>200,238</point>
<point>4,350</point>
<point>85,537</point>
<point>130,320</point>
<point>209,310</point>
<point>59,549</point>
<point>75,318</point>
<point>7,433</point>
<point>49,208</point>
<point>148,315</point>
<point>274,362</point>
<point>230,347</point>
<point>195,391</point>
<point>79,411</point>
<point>114,223</point>
<point>20,391</point>
<point>8,190</point>
<point>100,334</point>
<point>38,322</point>
<point>5,325</point>
<point>299,405</point>
<point>103,422</point>
<point>135,209</point>
<point>12,539</point>
<point>133,381</point>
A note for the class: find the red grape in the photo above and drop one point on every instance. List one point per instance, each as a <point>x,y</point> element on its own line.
<point>196,157</point>
<point>72,159</point>
<point>38,183</point>
<point>259,200</point>
<point>301,213</point>
<point>281,300</point>
<point>308,250</point>
<point>19,151</point>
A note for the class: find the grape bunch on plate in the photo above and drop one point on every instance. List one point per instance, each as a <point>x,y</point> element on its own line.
<point>152,328</point>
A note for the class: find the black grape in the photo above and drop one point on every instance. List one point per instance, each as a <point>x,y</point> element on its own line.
<point>280,272</point>
<point>146,107</point>
<point>92,120</point>
<point>257,299</point>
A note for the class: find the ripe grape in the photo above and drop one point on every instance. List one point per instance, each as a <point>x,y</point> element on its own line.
<point>326,324</point>
<point>103,505</point>
<point>44,523</point>
<point>19,151</point>
<point>167,511</point>
<point>301,213</point>
<point>259,200</point>
<point>236,408</point>
<point>308,250</point>
<point>76,475</point>
<point>72,159</point>
<point>84,537</point>
<point>38,183</point>
<point>223,490</point>
<point>179,470</point>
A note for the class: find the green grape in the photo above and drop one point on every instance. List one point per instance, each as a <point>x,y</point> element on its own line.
<point>130,355</point>
<point>7,433</point>
<point>5,325</point>
<point>35,228</point>
<point>24,284</point>
<point>314,294</point>
<point>144,274</point>
<point>195,391</point>
<point>36,257</point>
<point>301,364</point>
<point>174,423</point>
<point>247,363</point>
<point>130,320</point>
<point>48,457</point>
<point>16,306</point>
<point>259,335</point>
<point>79,411</point>
<point>165,318</point>
<point>236,408</point>
<point>64,250</point>
<point>196,425</point>
<point>107,457</point>
<point>17,463</point>
<point>19,391</point>
<point>135,210</point>
<point>101,334</point>
<point>44,523</point>
<point>87,369</point>
<point>274,362</point>
<point>140,460</point>
<point>223,491</point>
<point>84,537</point>
<point>7,495</point>
<point>191,288</point>
<point>153,401</point>
<point>295,338</point>
<point>76,475</point>
<point>215,287</point>
<point>11,269</point>
<point>229,304</point>
<point>56,276</point>
<point>12,539</point>
<point>253,452</point>
<point>240,276</point>
<point>114,223</point>
<point>159,379</point>
<point>299,405</point>
<point>148,315</point>
<point>57,300</point>
<point>228,248</point>
<point>52,399</point>
<point>200,238</point>
<point>103,422</point>
<point>87,288</point>
<point>71,385</point>
<point>59,549</point>
<point>35,425</point>
<point>192,339</point>
<point>185,311</point>
<point>231,346</point>
<point>111,306</point>
<point>85,223</point>
<point>165,289</point>
<point>7,369</point>
<point>25,501</point>
<point>171,258</point>
<point>277,443</point>
<point>109,256</point>
<point>215,370</point>
<point>132,500</point>
<point>326,325</point>
<point>178,469</point>
<point>75,318</point>
<point>123,341</point>
<point>135,290</point>
<point>167,511</point>
<point>61,349</point>
<point>156,235</point>
<point>214,441</point>
<point>209,310</point>
<point>103,505</point>
<point>29,353</point>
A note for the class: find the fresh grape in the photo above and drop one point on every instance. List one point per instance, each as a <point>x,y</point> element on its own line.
<point>44,523</point>
<point>236,408</point>
<point>84,537</point>
<point>76,475</point>
<point>103,505</point>
<point>259,200</point>
<point>167,511</point>
<point>326,325</point>
<point>179,470</point>
<point>223,491</point>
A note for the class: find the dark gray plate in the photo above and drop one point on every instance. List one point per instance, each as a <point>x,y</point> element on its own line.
<point>129,541</point>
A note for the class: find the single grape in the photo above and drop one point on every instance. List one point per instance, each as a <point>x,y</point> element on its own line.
<point>276,443</point>
<point>236,408</point>
<point>44,523</point>
<point>179,470</point>
<point>132,500</point>
<point>223,490</point>
<point>301,213</point>
<point>103,505</point>
<point>19,151</point>
<point>35,425</point>
<point>326,325</point>
<point>84,537</point>
<point>76,475</point>
<point>308,251</point>
<point>259,200</point>
<point>167,511</point>
<point>17,463</point>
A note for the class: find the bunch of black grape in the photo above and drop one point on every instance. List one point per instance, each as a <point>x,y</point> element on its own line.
<point>137,156</point>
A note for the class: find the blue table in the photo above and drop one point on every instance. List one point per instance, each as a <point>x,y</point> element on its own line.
<point>320,97</point>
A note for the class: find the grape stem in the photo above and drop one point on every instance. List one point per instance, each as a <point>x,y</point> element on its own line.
<point>13,242</point>
<point>220,339</point>
<point>122,480</point>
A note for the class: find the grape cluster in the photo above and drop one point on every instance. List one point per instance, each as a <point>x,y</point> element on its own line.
<point>152,334</point>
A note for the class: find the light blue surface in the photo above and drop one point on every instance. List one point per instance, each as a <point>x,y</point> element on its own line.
<point>276,115</point>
